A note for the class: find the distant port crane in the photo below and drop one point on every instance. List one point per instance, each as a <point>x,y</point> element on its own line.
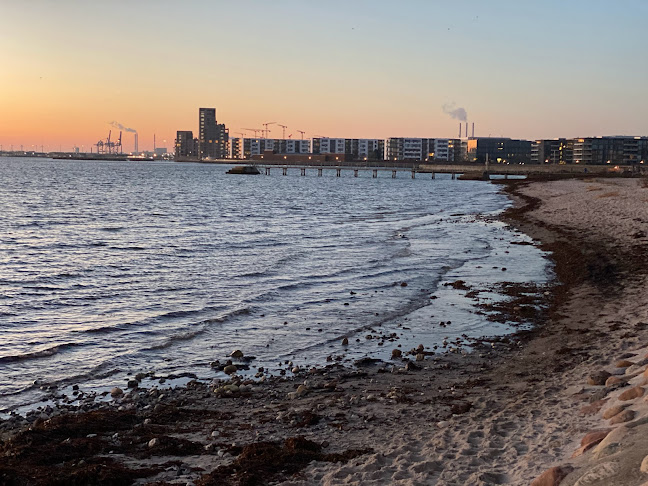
<point>110,147</point>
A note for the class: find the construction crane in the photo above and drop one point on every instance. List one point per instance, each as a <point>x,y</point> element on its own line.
<point>255,130</point>
<point>302,132</point>
<point>283,136</point>
<point>267,132</point>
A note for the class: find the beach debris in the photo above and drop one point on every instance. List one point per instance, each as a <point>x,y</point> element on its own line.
<point>460,408</point>
<point>237,354</point>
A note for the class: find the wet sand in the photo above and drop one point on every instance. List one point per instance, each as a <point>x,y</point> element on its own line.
<point>503,414</point>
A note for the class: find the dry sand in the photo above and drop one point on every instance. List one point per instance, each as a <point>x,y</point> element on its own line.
<point>501,415</point>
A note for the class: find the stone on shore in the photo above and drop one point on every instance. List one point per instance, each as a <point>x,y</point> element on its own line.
<point>116,392</point>
<point>396,353</point>
<point>614,380</point>
<point>590,440</point>
<point>230,369</point>
<point>552,477</point>
<point>607,444</point>
<point>632,393</point>
<point>625,416</point>
<point>644,465</point>
<point>345,342</point>
<point>624,363</point>
<point>612,411</point>
<point>238,354</point>
<point>598,378</point>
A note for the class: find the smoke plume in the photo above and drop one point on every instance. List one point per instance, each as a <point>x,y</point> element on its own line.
<point>456,113</point>
<point>122,127</point>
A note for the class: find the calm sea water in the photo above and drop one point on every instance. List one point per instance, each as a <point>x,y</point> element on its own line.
<point>110,268</point>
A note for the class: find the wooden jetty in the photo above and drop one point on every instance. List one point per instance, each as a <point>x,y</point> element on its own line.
<point>469,171</point>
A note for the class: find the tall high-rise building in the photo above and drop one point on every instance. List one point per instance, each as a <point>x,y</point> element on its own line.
<point>213,137</point>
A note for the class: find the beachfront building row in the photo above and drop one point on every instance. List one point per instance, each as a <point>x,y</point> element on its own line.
<point>258,146</point>
<point>617,150</point>
<point>424,149</point>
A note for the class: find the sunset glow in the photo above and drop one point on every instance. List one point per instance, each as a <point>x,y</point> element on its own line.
<point>356,69</point>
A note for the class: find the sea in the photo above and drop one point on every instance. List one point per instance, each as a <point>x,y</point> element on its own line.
<point>110,269</point>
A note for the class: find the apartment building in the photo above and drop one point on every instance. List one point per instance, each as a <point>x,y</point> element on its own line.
<point>498,150</point>
<point>185,144</point>
<point>554,151</point>
<point>619,150</point>
<point>213,137</point>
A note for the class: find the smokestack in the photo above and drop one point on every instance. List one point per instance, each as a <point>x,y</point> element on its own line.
<point>466,129</point>
<point>136,144</point>
<point>459,129</point>
<point>473,130</point>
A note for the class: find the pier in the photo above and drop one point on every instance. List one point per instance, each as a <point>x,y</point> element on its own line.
<point>469,171</point>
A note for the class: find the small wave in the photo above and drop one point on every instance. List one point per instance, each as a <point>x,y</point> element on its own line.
<point>38,354</point>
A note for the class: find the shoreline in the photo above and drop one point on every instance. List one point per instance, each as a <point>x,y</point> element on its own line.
<point>495,416</point>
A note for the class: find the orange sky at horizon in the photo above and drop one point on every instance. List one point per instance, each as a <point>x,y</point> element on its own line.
<point>70,68</point>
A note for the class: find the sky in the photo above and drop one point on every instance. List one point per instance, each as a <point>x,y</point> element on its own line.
<point>353,68</point>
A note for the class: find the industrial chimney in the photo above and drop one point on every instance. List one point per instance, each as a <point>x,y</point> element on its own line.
<point>466,129</point>
<point>473,130</point>
<point>136,144</point>
<point>459,129</point>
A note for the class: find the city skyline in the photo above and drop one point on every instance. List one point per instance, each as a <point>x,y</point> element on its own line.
<point>362,70</point>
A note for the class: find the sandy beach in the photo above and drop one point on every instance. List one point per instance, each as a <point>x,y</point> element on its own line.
<point>560,404</point>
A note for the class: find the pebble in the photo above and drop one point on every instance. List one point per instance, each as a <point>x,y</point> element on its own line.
<point>116,392</point>
<point>396,353</point>
<point>614,380</point>
<point>598,378</point>
<point>230,369</point>
<point>624,363</point>
<point>345,342</point>
<point>420,357</point>
<point>153,442</point>
<point>632,393</point>
<point>634,369</point>
<point>612,411</point>
<point>237,354</point>
<point>644,465</point>
<point>612,438</point>
<point>625,416</point>
<point>552,477</point>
